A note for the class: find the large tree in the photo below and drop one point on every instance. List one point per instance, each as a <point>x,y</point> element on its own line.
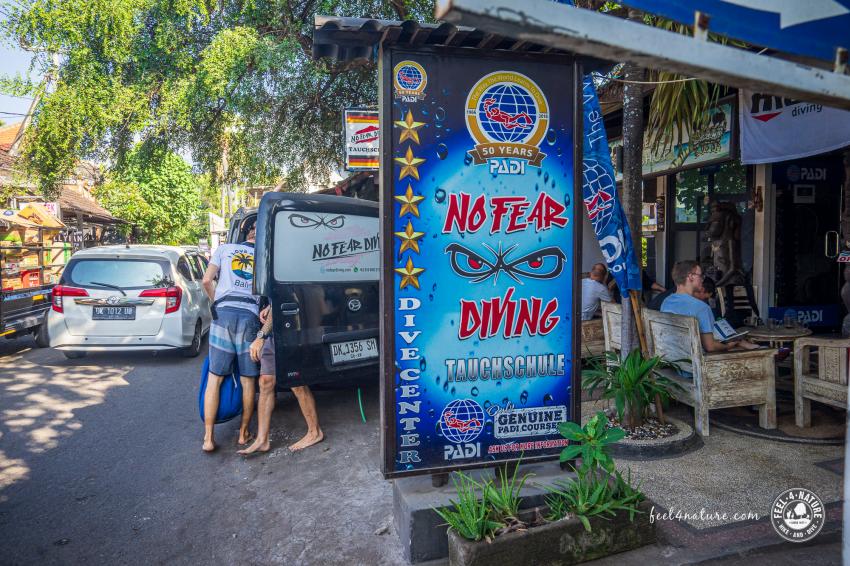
<point>157,192</point>
<point>215,78</point>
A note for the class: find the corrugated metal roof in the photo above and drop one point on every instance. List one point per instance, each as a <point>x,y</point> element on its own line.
<point>349,39</point>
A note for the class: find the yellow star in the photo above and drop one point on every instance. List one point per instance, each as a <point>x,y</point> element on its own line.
<point>408,238</point>
<point>409,128</point>
<point>408,165</point>
<point>409,274</point>
<point>409,202</point>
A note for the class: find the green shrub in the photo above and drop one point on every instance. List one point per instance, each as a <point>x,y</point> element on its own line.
<point>471,517</point>
<point>633,383</point>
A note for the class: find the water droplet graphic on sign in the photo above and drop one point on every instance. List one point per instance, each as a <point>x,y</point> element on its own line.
<point>467,159</point>
<point>488,427</point>
<point>431,413</point>
<point>548,399</point>
<point>446,386</point>
<point>442,151</point>
<point>546,177</point>
<point>422,364</point>
<point>440,195</point>
<point>523,397</point>
<point>474,392</point>
<point>487,405</point>
<point>453,391</point>
<point>440,114</point>
<point>567,200</point>
<point>438,380</point>
<point>551,137</point>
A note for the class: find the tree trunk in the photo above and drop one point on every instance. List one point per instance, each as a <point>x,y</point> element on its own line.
<point>845,244</point>
<point>632,194</point>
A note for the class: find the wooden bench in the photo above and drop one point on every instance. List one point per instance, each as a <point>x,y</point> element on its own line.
<point>723,379</point>
<point>592,338</point>
<point>827,384</point>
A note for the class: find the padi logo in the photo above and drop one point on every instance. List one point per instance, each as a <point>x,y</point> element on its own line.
<point>766,107</point>
<point>409,81</point>
<point>796,173</point>
<point>507,115</point>
<point>461,451</point>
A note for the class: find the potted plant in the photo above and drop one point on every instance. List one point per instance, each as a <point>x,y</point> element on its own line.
<point>634,383</point>
<point>586,516</point>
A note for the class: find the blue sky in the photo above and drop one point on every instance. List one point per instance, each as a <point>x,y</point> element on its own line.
<point>13,61</point>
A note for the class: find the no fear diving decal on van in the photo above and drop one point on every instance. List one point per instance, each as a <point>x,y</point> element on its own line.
<point>321,247</point>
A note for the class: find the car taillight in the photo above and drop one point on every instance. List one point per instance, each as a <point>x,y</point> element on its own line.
<point>60,291</point>
<point>172,295</point>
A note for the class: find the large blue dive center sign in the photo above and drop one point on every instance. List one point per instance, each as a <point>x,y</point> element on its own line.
<point>479,235</point>
<point>815,28</point>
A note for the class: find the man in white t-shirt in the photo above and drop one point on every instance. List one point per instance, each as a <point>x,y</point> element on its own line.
<point>235,325</point>
<point>593,290</point>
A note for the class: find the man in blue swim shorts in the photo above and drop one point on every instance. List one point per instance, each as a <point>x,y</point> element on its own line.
<point>234,326</point>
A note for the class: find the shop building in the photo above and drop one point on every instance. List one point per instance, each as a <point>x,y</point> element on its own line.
<point>784,214</point>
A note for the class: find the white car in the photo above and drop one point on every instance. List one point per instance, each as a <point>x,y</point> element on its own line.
<point>130,297</point>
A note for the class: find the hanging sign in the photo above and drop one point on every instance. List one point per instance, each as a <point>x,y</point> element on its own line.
<point>775,128</point>
<point>480,259</point>
<point>362,139</point>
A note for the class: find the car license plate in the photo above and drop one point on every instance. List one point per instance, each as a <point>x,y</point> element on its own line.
<point>354,350</point>
<point>114,313</point>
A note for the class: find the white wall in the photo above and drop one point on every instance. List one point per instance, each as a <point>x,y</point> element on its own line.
<point>590,252</point>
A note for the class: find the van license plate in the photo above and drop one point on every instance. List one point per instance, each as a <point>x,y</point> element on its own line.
<point>114,313</point>
<point>354,350</point>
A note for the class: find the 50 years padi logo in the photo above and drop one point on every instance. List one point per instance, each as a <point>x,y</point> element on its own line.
<point>507,115</point>
<point>409,81</point>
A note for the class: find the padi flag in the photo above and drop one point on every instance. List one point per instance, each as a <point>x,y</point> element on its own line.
<point>600,196</point>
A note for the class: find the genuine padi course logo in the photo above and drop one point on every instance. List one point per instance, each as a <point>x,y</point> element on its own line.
<point>409,81</point>
<point>797,515</point>
<point>507,115</point>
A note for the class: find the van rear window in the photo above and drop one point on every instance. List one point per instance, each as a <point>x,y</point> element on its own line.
<point>325,246</point>
<point>123,273</point>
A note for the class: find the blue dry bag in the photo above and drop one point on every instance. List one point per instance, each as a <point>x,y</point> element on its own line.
<point>229,399</point>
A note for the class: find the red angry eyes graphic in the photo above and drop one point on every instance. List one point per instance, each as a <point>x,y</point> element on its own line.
<point>545,263</point>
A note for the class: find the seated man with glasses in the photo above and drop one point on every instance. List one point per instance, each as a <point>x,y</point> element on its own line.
<point>688,277</point>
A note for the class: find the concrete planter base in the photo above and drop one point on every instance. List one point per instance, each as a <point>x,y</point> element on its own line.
<point>561,542</point>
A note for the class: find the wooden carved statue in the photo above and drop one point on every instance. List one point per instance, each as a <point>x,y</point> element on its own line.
<point>724,238</point>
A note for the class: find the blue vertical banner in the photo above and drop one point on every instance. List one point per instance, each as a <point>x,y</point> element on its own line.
<point>479,215</point>
<point>604,209</point>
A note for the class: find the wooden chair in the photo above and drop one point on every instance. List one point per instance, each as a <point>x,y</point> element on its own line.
<point>723,379</point>
<point>592,338</point>
<point>612,314</point>
<point>827,383</point>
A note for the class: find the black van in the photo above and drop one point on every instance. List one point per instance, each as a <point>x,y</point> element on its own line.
<point>317,260</point>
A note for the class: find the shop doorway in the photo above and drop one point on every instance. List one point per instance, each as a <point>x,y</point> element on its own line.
<point>808,216</point>
<point>688,207</point>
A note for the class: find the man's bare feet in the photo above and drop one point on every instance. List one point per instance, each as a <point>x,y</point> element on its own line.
<point>309,440</point>
<point>257,446</point>
<point>245,438</point>
<point>209,446</point>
